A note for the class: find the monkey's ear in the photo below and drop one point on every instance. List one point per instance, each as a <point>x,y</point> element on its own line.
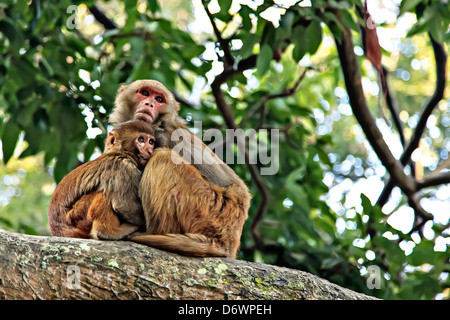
<point>111,140</point>
<point>176,107</point>
<point>122,88</point>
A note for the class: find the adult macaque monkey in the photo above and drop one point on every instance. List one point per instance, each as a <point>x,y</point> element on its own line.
<point>196,208</point>
<point>99,199</point>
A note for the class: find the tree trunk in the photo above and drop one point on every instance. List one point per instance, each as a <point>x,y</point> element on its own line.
<point>36,267</point>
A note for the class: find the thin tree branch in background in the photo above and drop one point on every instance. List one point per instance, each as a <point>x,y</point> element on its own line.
<point>255,175</point>
<point>261,106</point>
<point>434,180</point>
<point>228,58</point>
<point>445,164</point>
<point>101,18</point>
<point>358,103</point>
<point>362,113</point>
<point>393,109</point>
<point>441,61</point>
<point>247,63</point>
<point>225,110</point>
<point>395,116</point>
<point>183,101</point>
<point>228,72</point>
<point>387,94</point>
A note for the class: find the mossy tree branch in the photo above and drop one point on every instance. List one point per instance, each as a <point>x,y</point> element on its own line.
<point>36,267</point>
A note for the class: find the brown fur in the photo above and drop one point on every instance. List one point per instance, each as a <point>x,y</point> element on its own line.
<point>99,199</point>
<point>192,209</point>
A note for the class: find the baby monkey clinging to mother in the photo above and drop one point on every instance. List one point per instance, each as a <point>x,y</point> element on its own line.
<point>99,199</point>
<point>195,209</point>
<point>191,208</point>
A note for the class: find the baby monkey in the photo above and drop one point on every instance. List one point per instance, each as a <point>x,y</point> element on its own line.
<point>100,198</point>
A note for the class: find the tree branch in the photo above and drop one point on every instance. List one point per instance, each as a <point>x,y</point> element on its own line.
<point>229,71</point>
<point>362,113</point>
<point>51,268</point>
<point>225,110</point>
<point>222,42</point>
<point>387,94</point>
<point>393,109</point>
<point>229,120</point>
<point>433,181</point>
<point>101,18</point>
<point>352,76</point>
<point>441,61</point>
<point>285,93</point>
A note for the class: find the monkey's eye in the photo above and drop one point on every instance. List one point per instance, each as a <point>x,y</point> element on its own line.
<point>145,92</point>
<point>151,141</point>
<point>141,139</point>
<point>159,99</point>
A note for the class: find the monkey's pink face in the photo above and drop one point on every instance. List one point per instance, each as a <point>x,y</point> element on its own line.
<point>149,103</point>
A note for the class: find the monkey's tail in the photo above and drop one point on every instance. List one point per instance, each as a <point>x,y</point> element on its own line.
<point>190,244</point>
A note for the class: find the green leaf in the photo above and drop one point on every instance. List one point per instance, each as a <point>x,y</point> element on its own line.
<point>9,28</point>
<point>10,137</point>
<point>373,212</point>
<point>422,253</point>
<point>348,20</point>
<point>153,6</point>
<point>245,15</point>
<point>79,45</point>
<point>295,175</point>
<point>268,34</point>
<point>286,21</point>
<point>394,254</point>
<point>300,41</point>
<point>249,42</point>
<point>436,26</point>
<point>419,27</point>
<point>224,15</point>
<point>89,149</point>
<point>46,68</point>
<point>427,286</point>
<point>263,59</point>
<point>314,36</point>
<point>407,5</point>
<point>6,223</point>
<point>141,69</point>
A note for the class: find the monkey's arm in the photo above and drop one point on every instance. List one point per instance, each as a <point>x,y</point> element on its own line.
<point>105,223</point>
<point>121,185</point>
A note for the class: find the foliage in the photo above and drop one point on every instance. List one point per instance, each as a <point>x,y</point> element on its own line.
<point>60,70</point>
<point>25,190</point>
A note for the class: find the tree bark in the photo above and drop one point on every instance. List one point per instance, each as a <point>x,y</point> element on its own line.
<point>36,267</point>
